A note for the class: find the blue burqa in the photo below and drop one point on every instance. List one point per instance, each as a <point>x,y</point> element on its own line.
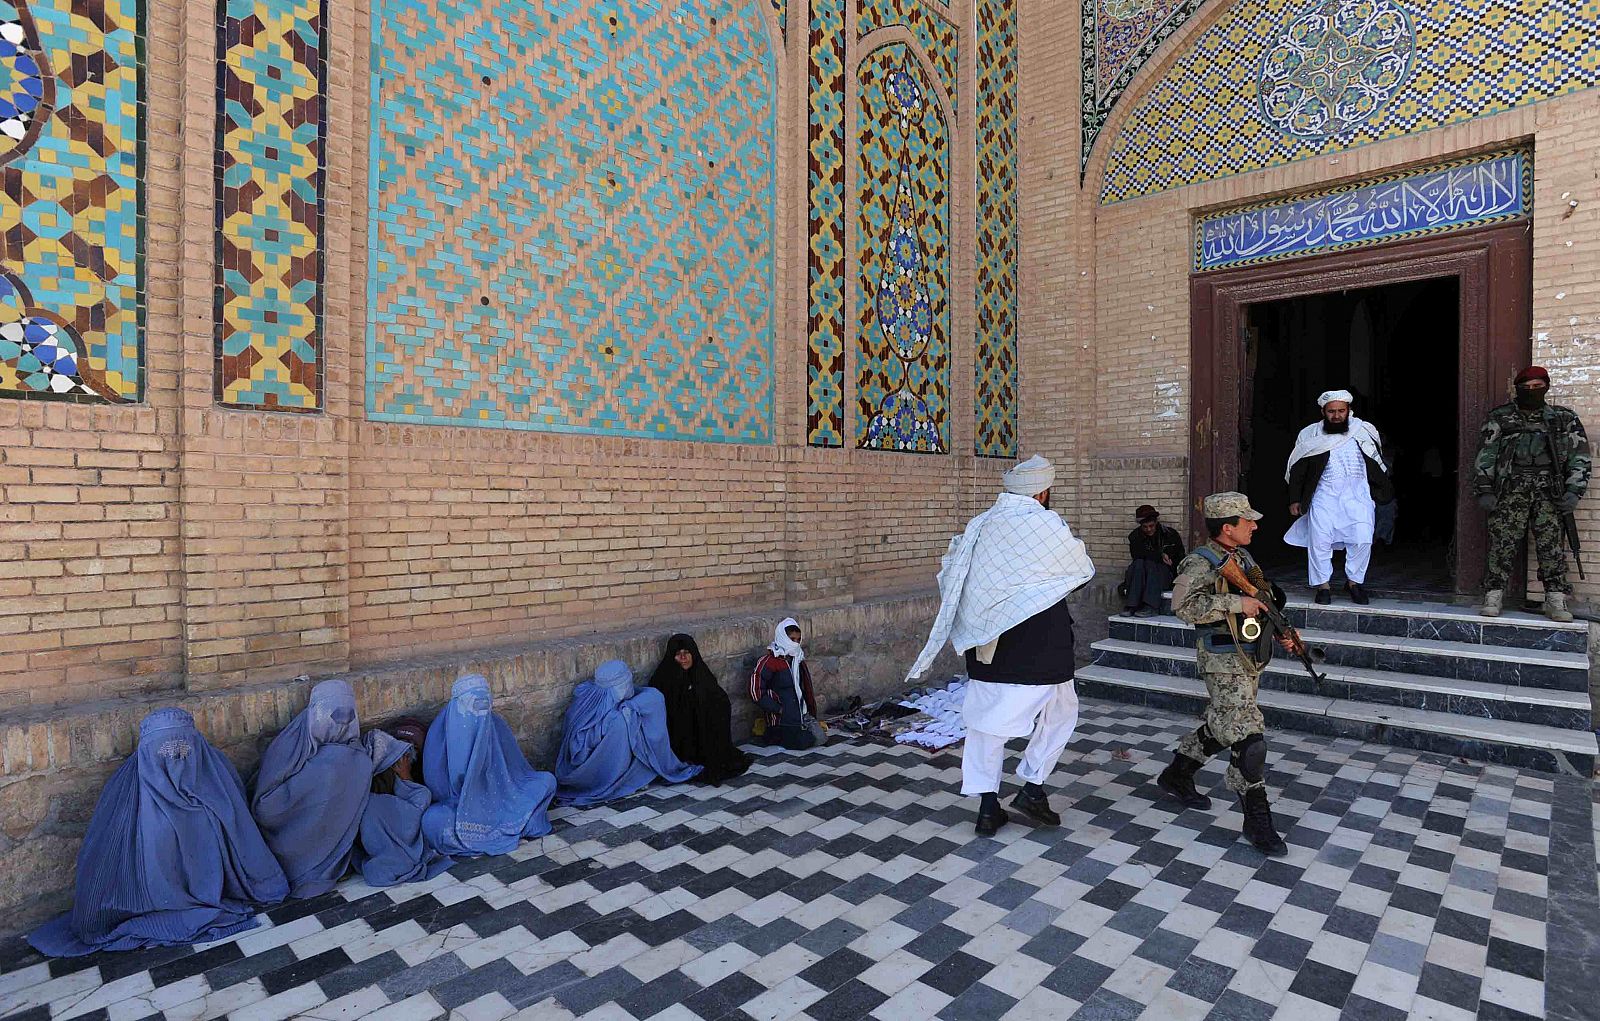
<point>313,783</point>
<point>615,740</point>
<point>171,855</point>
<point>391,850</point>
<point>486,798</point>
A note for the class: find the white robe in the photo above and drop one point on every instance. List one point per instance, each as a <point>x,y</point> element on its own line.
<point>1342,513</point>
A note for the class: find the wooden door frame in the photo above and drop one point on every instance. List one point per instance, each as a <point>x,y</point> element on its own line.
<point>1494,270</point>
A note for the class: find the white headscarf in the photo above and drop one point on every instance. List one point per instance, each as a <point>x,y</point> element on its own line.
<point>783,645</point>
<point>1329,396</point>
<point>1030,477</point>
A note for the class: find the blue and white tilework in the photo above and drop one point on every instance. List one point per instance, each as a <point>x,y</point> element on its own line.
<point>572,217</point>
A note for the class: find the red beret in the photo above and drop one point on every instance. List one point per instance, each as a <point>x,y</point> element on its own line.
<point>1532,372</point>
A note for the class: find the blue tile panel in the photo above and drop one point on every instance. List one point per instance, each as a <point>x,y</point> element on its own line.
<point>572,217</point>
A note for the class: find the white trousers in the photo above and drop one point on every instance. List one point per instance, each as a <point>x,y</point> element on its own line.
<point>1319,561</point>
<point>1048,711</point>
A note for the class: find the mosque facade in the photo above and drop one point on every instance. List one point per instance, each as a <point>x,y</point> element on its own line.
<point>384,338</point>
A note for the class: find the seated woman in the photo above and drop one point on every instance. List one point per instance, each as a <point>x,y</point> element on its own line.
<point>311,789</point>
<point>699,718</point>
<point>614,740</point>
<point>171,855</point>
<point>781,688</point>
<point>391,850</point>
<point>486,798</point>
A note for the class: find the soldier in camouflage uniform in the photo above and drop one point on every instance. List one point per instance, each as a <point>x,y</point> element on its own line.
<point>1230,667</point>
<point>1532,469</point>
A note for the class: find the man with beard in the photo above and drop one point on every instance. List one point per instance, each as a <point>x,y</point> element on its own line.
<point>1336,479</point>
<point>1003,587</point>
<point>1532,469</point>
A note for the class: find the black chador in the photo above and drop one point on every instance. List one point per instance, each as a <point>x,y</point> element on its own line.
<point>699,717</point>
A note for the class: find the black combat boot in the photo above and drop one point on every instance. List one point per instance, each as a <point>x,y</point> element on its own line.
<point>1032,802</point>
<point>1258,828</point>
<point>990,815</point>
<point>1178,781</point>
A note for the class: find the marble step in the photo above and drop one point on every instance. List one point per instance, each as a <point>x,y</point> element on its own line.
<point>1435,621</point>
<point>1489,664</point>
<point>1495,701</point>
<point>1526,745</point>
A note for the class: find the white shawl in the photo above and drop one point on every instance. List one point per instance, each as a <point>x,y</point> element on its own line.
<point>1314,440</point>
<point>1014,560</point>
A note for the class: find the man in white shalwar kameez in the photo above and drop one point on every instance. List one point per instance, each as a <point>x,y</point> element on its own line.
<point>1336,479</point>
<point>1003,587</point>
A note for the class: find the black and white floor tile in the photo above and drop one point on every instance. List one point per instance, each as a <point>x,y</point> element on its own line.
<point>847,882</point>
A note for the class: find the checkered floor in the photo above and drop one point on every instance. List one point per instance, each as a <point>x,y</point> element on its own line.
<point>847,883</point>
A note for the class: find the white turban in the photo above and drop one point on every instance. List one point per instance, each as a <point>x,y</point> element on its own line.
<point>1335,395</point>
<point>1031,477</point>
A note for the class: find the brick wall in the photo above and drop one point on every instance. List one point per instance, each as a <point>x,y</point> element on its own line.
<point>177,545</point>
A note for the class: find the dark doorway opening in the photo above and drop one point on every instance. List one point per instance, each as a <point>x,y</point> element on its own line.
<point>1397,348</point>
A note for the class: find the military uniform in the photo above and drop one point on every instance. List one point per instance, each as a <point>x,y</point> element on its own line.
<point>1528,462</point>
<point>1231,668</point>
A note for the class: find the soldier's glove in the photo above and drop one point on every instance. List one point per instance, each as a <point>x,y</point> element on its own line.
<point>1569,501</point>
<point>1488,501</point>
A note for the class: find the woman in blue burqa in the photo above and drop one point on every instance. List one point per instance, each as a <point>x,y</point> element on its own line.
<point>391,850</point>
<point>614,740</point>
<point>171,855</point>
<point>486,798</point>
<point>311,790</point>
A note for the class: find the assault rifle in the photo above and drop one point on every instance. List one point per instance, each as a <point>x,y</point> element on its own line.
<point>1234,575</point>
<point>1569,525</point>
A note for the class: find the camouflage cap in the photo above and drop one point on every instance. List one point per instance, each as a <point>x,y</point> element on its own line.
<point>1230,505</point>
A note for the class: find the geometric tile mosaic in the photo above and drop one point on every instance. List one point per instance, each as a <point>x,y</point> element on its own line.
<point>846,883</point>
<point>1469,192</point>
<point>71,200</point>
<point>902,247</point>
<point>1118,37</point>
<point>995,355</point>
<point>934,31</point>
<point>1274,82</point>
<point>271,134</point>
<point>572,217</point>
<point>825,225</point>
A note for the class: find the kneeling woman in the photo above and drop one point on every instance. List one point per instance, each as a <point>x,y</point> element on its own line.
<point>614,740</point>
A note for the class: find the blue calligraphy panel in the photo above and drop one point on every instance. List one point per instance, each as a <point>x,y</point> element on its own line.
<point>1464,193</point>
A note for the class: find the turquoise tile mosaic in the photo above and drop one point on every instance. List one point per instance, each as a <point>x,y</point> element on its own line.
<point>902,246</point>
<point>271,134</point>
<point>72,200</point>
<point>1284,80</point>
<point>934,30</point>
<point>995,345</point>
<point>825,225</point>
<point>1119,37</point>
<point>572,217</point>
